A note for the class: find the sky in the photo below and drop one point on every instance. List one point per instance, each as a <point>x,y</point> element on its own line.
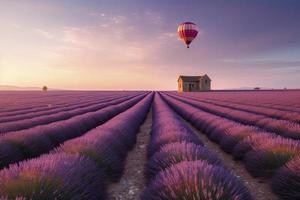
<point>133,44</point>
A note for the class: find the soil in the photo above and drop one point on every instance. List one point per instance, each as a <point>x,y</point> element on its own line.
<point>260,189</point>
<point>132,182</point>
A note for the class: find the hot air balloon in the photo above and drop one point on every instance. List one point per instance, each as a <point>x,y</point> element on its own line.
<point>187,32</point>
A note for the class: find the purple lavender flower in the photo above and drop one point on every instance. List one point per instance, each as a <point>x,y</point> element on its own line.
<point>281,127</point>
<point>30,144</point>
<point>8,154</point>
<point>286,182</point>
<point>99,151</point>
<point>177,152</point>
<point>53,176</point>
<point>170,137</point>
<point>218,128</point>
<point>248,143</point>
<point>266,158</point>
<point>195,180</point>
<point>235,134</point>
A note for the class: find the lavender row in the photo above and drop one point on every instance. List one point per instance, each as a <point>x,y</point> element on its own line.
<point>22,101</point>
<point>53,176</point>
<point>65,101</point>
<point>180,167</point>
<point>273,113</point>
<point>29,123</point>
<point>282,127</point>
<point>109,143</point>
<point>48,107</point>
<point>50,100</point>
<point>264,154</point>
<point>44,106</point>
<point>279,100</point>
<point>59,109</point>
<point>45,119</point>
<point>80,168</point>
<point>33,142</point>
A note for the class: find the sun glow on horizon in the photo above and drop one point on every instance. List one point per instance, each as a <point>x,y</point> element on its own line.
<point>102,47</point>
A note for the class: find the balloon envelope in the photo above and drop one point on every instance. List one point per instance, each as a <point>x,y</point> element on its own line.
<point>187,32</point>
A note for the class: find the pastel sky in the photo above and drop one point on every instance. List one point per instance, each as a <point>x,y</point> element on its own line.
<point>133,44</point>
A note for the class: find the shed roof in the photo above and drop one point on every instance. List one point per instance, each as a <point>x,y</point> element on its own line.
<point>206,76</point>
<point>192,78</point>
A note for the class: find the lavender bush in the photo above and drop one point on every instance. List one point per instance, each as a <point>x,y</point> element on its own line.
<point>177,152</point>
<point>286,182</point>
<point>195,180</point>
<point>100,152</point>
<point>54,176</point>
<point>269,156</point>
<point>170,137</point>
<point>250,142</point>
<point>235,134</point>
<point>8,154</point>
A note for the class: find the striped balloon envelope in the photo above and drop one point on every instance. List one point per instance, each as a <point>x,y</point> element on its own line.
<point>187,32</point>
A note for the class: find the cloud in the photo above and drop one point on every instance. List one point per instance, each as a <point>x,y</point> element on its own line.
<point>97,14</point>
<point>76,36</point>
<point>49,6</point>
<point>170,34</point>
<point>119,19</point>
<point>16,26</point>
<point>264,62</point>
<point>44,33</point>
<point>104,25</point>
<point>154,17</point>
<point>113,41</point>
<point>112,45</point>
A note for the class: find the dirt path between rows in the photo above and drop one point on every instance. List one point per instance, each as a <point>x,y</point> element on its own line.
<point>132,182</point>
<point>258,188</point>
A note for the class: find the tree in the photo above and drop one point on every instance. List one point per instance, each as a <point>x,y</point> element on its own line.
<point>45,88</point>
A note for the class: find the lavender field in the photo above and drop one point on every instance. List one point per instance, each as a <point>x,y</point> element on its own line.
<point>221,145</point>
